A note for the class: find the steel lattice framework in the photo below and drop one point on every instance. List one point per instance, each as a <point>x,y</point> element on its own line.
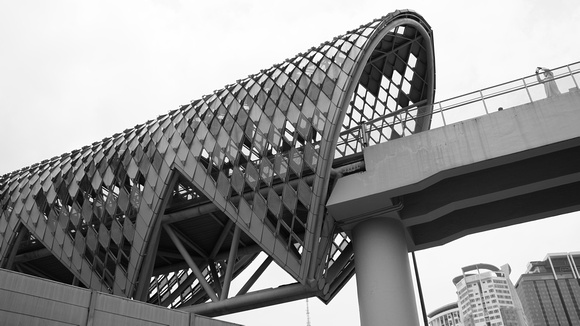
<point>172,210</point>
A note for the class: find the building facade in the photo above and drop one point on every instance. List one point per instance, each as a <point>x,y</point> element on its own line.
<point>486,297</point>
<point>447,315</point>
<point>550,290</point>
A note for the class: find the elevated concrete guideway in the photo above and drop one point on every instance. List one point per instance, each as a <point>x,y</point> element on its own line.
<point>508,167</point>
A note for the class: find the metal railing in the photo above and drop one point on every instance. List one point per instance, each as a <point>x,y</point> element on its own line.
<point>506,95</point>
<point>467,106</point>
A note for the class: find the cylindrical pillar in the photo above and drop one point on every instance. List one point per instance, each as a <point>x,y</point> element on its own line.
<point>383,276</point>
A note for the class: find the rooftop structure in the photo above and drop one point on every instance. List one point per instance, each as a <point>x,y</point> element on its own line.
<point>550,290</point>
<point>487,297</point>
<point>448,315</point>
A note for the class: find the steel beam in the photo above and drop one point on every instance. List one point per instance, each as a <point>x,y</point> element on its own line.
<point>215,277</point>
<point>244,251</point>
<point>231,263</point>
<point>201,279</point>
<point>255,276</point>
<point>221,239</point>
<point>258,299</point>
<point>22,233</point>
<point>186,283</point>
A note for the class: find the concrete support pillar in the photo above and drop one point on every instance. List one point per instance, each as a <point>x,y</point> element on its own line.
<point>384,283</point>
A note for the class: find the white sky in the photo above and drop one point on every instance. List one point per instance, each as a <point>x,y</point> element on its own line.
<point>74,72</point>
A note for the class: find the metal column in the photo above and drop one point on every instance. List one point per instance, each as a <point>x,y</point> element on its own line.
<point>384,283</point>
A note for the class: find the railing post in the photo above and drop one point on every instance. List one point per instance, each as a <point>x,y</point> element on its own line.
<point>483,100</point>
<point>571,74</point>
<point>527,90</point>
<point>442,115</point>
<point>364,135</point>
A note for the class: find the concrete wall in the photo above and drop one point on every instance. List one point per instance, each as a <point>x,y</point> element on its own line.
<point>27,300</point>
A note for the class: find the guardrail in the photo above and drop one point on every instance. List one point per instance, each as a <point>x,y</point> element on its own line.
<point>467,106</point>
<point>513,93</point>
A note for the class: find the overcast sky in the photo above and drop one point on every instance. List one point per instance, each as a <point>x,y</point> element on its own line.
<point>74,72</point>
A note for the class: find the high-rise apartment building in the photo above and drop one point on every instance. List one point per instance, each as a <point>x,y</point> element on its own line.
<point>487,297</point>
<point>550,290</point>
<point>448,315</point>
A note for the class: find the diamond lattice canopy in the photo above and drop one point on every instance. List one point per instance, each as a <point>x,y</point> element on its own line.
<point>248,167</point>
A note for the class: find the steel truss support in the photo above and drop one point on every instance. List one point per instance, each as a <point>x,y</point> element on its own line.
<point>186,283</point>
<point>200,294</point>
<point>200,278</point>
<point>252,300</point>
<point>22,234</point>
<point>186,242</point>
<point>255,276</point>
<point>215,277</point>
<point>148,263</point>
<point>231,263</point>
<point>244,251</point>
<point>221,239</point>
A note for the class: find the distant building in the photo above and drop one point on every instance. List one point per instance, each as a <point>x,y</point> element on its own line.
<point>447,315</point>
<point>487,297</point>
<point>550,290</point>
